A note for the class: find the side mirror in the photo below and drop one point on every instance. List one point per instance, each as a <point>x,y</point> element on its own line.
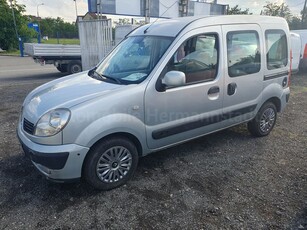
<point>174,79</point>
<point>91,71</point>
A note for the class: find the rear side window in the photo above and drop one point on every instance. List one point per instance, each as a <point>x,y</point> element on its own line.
<point>276,48</point>
<point>243,53</point>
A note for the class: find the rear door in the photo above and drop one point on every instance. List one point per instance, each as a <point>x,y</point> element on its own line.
<point>243,75</point>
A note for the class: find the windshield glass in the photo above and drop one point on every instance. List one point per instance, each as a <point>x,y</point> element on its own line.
<point>134,58</point>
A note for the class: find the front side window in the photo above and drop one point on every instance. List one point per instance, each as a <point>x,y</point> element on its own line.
<point>243,53</point>
<point>134,58</point>
<point>197,57</point>
<point>276,47</point>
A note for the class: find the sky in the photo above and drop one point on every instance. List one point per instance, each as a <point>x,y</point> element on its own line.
<point>255,7</point>
<point>66,8</point>
<point>55,8</point>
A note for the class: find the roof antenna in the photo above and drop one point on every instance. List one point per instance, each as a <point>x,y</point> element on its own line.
<point>145,31</point>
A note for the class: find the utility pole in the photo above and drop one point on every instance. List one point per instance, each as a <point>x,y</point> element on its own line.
<point>14,20</point>
<point>37,9</point>
<point>98,9</point>
<point>17,35</point>
<point>76,8</point>
<point>38,20</point>
<point>183,8</point>
<point>304,14</point>
<point>147,11</point>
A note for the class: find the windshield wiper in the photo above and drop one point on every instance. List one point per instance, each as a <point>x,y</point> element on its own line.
<point>111,78</point>
<point>93,73</point>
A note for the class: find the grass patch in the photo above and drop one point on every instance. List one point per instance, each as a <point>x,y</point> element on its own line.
<point>10,53</point>
<point>298,89</point>
<point>64,41</point>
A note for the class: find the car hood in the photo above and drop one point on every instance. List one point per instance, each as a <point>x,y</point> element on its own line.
<point>65,93</point>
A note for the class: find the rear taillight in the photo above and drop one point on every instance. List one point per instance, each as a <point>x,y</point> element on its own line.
<point>305,52</point>
<point>290,71</point>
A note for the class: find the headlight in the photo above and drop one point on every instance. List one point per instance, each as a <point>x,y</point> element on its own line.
<point>52,122</point>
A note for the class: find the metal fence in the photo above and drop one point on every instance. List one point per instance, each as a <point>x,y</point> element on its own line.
<point>95,40</point>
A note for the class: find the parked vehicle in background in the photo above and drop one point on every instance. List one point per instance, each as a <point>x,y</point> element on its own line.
<point>296,51</point>
<point>164,84</point>
<point>303,61</point>
<point>66,58</point>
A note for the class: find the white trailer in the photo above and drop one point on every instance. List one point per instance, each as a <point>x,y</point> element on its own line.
<point>303,61</point>
<point>66,58</point>
<point>296,49</point>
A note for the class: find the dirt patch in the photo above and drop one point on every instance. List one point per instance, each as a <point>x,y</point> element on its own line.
<point>227,180</point>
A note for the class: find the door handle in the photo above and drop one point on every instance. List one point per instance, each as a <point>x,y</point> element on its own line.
<point>231,89</point>
<point>213,90</point>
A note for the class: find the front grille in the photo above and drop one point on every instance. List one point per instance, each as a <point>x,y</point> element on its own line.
<point>28,126</point>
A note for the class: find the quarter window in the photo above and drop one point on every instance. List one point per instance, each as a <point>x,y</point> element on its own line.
<point>276,46</point>
<point>197,57</point>
<point>243,53</point>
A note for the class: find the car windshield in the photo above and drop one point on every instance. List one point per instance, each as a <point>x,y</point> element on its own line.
<point>133,59</point>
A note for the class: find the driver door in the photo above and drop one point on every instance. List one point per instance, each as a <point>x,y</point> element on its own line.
<point>176,114</point>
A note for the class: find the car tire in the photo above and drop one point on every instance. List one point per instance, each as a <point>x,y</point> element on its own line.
<point>74,67</point>
<point>110,163</point>
<point>264,121</point>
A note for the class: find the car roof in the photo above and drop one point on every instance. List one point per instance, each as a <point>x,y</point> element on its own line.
<point>172,27</point>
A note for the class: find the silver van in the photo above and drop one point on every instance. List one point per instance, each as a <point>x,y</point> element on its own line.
<point>164,84</point>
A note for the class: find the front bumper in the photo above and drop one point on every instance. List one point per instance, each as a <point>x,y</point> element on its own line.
<point>56,162</point>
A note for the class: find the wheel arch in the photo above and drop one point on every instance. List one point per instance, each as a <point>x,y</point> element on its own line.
<point>129,136</point>
<point>276,101</point>
<point>126,135</point>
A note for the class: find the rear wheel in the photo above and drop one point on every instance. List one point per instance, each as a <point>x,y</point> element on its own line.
<point>62,68</point>
<point>264,121</point>
<point>111,163</point>
<point>74,67</point>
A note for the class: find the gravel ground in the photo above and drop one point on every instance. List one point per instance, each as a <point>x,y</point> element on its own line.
<point>227,180</point>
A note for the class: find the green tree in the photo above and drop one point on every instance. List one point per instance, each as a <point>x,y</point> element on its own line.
<point>304,19</point>
<point>275,9</point>
<point>8,37</point>
<point>237,10</point>
<point>54,27</point>
<point>282,10</point>
<point>295,23</point>
<point>47,26</point>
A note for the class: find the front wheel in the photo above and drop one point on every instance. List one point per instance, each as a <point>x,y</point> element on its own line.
<point>74,67</point>
<point>111,163</point>
<point>264,121</point>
